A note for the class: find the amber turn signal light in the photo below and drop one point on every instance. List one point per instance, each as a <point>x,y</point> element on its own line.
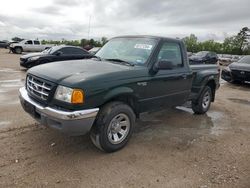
<point>77,96</point>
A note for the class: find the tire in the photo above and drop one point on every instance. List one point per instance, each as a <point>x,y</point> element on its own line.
<point>202,104</point>
<point>18,50</point>
<point>108,133</point>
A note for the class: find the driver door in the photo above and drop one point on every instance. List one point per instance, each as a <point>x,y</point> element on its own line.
<point>28,46</point>
<point>169,87</point>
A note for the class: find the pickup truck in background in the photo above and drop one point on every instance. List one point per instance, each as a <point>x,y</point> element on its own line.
<point>28,46</point>
<point>104,95</point>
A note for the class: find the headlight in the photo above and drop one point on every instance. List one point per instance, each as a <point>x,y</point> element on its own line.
<point>33,58</point>
<point>69,95</point>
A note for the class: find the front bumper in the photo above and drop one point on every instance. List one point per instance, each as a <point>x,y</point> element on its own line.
<point>235,75</point>
<point>226,75</point>
<point>23,63</point>
<point>73,123</point>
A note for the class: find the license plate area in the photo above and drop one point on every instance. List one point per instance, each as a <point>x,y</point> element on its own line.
<point>31,109</point>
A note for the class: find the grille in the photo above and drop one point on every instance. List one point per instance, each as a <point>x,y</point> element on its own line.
<point>38,87</point>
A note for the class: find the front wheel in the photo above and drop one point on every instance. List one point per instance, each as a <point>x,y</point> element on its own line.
<point>18,50</point>
<point>113,127</point>
<point>202,104</point>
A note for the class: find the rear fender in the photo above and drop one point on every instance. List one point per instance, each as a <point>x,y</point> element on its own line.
<point>203,79</point>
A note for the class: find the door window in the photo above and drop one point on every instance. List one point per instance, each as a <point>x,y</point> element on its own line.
<point>29,42</point>
<point>77,51</point>
<point>36,42</point>
<point>66,51</point>
<point>171,51</point>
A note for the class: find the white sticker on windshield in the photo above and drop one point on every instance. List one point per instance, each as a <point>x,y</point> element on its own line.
<point>143,46</point>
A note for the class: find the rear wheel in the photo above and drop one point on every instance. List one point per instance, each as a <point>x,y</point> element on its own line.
<point>113,127</point>
<point>202,104</point>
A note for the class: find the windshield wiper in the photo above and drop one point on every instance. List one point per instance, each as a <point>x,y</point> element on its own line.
<point>121,61</point>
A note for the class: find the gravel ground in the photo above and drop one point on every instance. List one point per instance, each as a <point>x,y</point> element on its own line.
<point>170,148</point>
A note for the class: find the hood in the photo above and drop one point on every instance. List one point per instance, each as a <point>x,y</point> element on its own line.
<point>32,55</point>
<point>75,71</point>
<point>240,66</point>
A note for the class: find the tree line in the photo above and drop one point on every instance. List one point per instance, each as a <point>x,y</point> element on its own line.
<point>85,43</point>
<point>237,45</point>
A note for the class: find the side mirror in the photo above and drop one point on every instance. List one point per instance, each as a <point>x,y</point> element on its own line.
<point>58,53</point>
<point>163,64</point>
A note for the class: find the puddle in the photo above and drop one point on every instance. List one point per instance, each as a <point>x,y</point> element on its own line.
<point>215,115</point>
<point>182,123</point>
<point>9,91</point>
<point>10,81</point>
<point>220,122</point>
<point>4,124</point>
<point>8,85</point>
<point>9,96</point>
<point>241,101</point>
<point>12,85</point>
<point>8,70</point>
<point>222,82</point>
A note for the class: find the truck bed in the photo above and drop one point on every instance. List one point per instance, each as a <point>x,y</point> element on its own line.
<point>196,68</point>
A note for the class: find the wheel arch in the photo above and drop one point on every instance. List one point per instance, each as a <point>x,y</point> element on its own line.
<point>125,95</point>
<point>18,47</point>
<point>212,84</point>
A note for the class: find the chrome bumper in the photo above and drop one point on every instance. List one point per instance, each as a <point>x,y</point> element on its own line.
<point>73,123</point>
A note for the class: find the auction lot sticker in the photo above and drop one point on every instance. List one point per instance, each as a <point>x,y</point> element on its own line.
<point>143,46</point>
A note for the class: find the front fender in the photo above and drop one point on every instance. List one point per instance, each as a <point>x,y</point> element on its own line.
<point>118,92</point>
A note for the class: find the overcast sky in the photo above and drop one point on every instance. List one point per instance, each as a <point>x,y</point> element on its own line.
<point>69,19</point>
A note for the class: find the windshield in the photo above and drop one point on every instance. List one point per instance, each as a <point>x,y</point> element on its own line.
<point>133,50</point>
<point>46,51</point>
<point>201,54</point>
<point>51,50</point>
<point>245,59</point>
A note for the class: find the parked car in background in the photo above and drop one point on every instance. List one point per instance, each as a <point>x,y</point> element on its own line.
<point>11,42</point>
<point>189,54</point>
<point>4,44</point>
<point>237,71</point>
<point>235,58</point>
<point>28,46</point>
<point>225,59</point>
<point>204,57</point>
<point>94,50</point>
<point>55,53</point>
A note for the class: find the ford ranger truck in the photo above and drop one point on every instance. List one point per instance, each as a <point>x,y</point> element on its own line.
<point>104,95</point>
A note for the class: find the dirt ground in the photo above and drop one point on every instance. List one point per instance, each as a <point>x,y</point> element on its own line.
<point>170,148</point>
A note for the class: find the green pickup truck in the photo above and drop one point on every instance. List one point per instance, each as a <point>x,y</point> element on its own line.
<point>104,95</point>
